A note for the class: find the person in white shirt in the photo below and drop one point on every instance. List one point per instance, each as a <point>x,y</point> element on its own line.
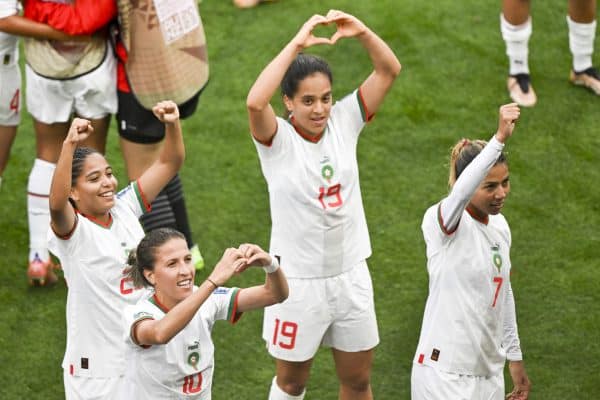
<point>469,326</point>
<point>168,333</point>
<point>93,228</point>
<point>319,227</point>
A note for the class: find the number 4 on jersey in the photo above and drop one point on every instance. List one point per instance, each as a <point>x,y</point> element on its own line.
<point>14,102</point>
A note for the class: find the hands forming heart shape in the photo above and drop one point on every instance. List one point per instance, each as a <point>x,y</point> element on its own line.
<point>346,26</point>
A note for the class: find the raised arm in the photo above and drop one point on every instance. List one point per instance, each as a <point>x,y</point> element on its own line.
<point>386,66</point>
<point>62,213</point>
<point>172,153</point>
<point>149,332</point>
<point>83,17</point>
<point>466,185</point>
<point>274,290</point>
<point>263,124</point>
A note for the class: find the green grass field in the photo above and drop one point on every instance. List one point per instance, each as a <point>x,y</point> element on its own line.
<point>451,85</point>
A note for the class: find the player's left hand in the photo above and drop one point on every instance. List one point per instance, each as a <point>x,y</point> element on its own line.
<point>521,382</point>
<point>254,255</point>
<point>166,111</point>
<point>347,25</point>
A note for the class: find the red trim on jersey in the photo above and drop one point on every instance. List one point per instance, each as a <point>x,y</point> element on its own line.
<point>143,196</point>
<point>68,235</point>
<point>71,369</point>
<point>134,336</point>
<point>421,357</point>
<point>160,305</point>
<point>441,222</point>
<point>267,143</point>
<point>44,196</point>
<point>305,136</point>
<point>95,220</point>
<point>484,220</point>
<point>368,116</point>
<point>235,316</point>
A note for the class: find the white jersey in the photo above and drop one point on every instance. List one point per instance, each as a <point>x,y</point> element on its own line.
<point>469,272</point>
<point>93,259</point>
<point>8,43</point>
<point>182,368</point>
<point>318,222</point>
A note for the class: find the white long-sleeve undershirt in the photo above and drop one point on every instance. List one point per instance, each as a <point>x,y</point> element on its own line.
<point>452,207</point>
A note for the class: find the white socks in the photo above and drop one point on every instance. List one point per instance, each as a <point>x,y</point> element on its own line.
<point>516,38</point>
<point>581,43</point>
<point>277,394</point>
<point>38,212</point>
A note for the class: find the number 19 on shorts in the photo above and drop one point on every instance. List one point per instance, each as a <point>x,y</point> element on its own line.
<point>284,334</point>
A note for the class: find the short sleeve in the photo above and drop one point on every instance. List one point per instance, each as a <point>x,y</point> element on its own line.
<point>132,315</point>
<point>221,305</point>
<point>279,142</point>
<point>348,115</point>
<point>133,197</point>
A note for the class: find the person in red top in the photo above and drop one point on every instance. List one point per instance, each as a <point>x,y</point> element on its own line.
<point>64,79</point>
<point>179,72</point>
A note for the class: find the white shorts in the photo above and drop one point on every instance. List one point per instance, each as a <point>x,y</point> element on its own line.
<point>337,312</point>
<point>10,94</point>
<point>92,96</point>
<point>80,387</point>
<point>428,383</point>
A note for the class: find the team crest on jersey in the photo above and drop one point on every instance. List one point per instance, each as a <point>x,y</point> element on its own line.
<point>327,172</point>
<point>193,359</point>
<point>496,257</point>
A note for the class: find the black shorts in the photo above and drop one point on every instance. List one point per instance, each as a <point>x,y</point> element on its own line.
<point>139,125</point>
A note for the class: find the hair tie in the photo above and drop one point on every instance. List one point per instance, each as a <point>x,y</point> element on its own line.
<point>465,142</point>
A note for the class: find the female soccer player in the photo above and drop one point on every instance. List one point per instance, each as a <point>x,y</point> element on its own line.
<point>319,226</point>
<point>94,229</point>
<point>469,327</point>
<point>168,332</point>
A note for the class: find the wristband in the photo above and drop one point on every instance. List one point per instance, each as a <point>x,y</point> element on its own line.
<point>274,265</point>
<point>212,283</point>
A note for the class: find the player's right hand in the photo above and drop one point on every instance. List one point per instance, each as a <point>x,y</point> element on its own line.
<point>229,263</point>
<point>508,116</point>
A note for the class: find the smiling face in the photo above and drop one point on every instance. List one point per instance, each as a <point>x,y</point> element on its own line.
<point>95,187</point>
<point>491,193</point>
<point>311,103</point>
<point>173,273</point>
